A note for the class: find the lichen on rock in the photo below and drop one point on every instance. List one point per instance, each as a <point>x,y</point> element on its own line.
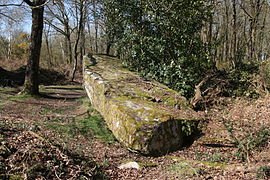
<point>145,116</point>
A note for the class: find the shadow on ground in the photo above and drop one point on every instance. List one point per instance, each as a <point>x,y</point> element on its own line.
<point>16,78</point>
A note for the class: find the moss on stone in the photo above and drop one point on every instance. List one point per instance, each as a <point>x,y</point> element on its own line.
<point>143,116</point>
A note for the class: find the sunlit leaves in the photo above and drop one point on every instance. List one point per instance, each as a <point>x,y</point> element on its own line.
<point>160,39</point>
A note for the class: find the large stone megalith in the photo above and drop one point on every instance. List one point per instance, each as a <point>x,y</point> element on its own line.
<point>145,116</point>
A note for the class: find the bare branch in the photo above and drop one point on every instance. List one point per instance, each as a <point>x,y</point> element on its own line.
<point>55,27</point>
<point>7,16</point>
<point>242,7</point>
<point>5,5</point>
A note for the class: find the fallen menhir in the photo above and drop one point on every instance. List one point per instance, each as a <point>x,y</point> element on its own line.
<point>146,117</point>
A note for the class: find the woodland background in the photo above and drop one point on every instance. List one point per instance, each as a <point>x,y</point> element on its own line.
<point>175,42</point>
<point>214,52</point>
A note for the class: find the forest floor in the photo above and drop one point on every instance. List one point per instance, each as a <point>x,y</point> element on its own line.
<point>59,136</point>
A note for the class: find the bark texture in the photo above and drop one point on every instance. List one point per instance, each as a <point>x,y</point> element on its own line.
<point>31,83</point>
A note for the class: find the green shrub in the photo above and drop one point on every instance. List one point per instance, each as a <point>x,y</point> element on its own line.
<point>240,80</point>
<point>265,73</point>
<point>160,42</point>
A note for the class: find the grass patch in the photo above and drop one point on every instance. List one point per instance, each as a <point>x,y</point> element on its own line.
<point>8,90</point>
<point>45,111</point>
<point>205,163</point>
<point>90,127</point>
<point>184,169</point>
<point>216,158</point>
<point>2,92</point>
<point>9,125</point>
<point>209,157</point>
<point>68,129</point>
<point>10,95</point>
<point>18,97</point>
<point>58,119</point>
<point>58,111</point>
<point>84,101</point>
<point>49,110</point>
<point>96,127</point>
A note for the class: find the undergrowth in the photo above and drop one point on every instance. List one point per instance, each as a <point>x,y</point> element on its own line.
<point>247,140</point>
<point>263,172</point>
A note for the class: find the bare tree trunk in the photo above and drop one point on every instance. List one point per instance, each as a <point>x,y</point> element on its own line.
<point>75,63</point>
<point>226,43</point>
<point>245,34</point>
<point>63,52</point>
<point>251,39</point>
<point>89,33</point>
<point>68,44</point>
<point>82,47</point>
<point>96,25</point>
<point>9,47</point>
<point>253,18</point>
<point>63,17</point>
<point>82,34</point>
<point>31,84</point>
<point>81,24</point>
<point>261,55</point>
<point>108,47</point>
<point>258,11</point>
<point>49,53</point>
<point>234,42</point>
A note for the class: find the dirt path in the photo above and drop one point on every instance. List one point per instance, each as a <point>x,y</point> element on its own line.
<point>59,136</point>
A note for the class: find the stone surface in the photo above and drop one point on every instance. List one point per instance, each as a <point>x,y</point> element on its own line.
<point>130,165</point>
<point>145,116</point>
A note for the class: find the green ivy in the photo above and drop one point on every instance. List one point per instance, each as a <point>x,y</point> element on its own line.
<point>160,39</point>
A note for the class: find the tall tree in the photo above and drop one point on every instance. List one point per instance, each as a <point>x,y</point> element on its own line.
<point>239,31</point>
<point>96,24</point>
<point>31,84</point>
<point>80,17</point>
<point>59,19</point>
